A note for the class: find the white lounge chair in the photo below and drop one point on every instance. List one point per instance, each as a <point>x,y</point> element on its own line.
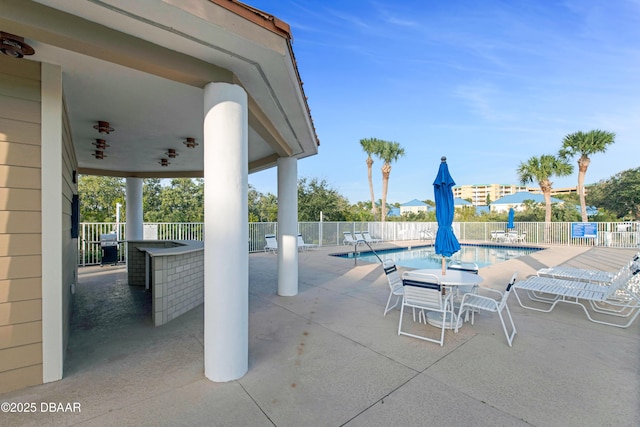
<point>272,243</point>
<point>590,276</point>
<point>418,296</point>
<point>349,239</point>
<point>369,239</point>
<point>473,302</point>
<point>603,299</point>
<point>426,235</point>
<point>304,246</point>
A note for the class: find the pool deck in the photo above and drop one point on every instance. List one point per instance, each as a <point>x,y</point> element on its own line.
<point>328,357</point>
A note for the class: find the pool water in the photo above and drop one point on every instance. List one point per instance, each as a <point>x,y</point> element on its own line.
<point>425,256</point>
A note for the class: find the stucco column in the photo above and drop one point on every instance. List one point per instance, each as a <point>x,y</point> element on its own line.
<point>287,226</point>
<point>134,209</point>
<point>226,244</point>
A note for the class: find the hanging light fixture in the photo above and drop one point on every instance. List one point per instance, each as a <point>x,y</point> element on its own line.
<point>14,46</point>
<point>103,127</point>
<point>100,144</point>
<point>190,142</point>
<point>171,153</point>
<point>99,154</point>
<point>164,162</point>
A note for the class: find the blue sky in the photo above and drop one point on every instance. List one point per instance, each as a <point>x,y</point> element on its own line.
<point>487,84</point>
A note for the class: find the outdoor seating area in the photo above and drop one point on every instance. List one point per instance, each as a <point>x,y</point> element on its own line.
<point>446,301</point>
<point>127,369</point>
<point>512,236</point>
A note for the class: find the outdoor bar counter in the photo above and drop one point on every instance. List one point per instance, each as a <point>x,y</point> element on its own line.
<point>173,270</point>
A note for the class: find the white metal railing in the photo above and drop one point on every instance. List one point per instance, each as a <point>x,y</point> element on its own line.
<point>611,234</point>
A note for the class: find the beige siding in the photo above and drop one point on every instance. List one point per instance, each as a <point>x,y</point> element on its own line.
<point>20,225</point>
<point>21,377</point>
<point>20,289</point>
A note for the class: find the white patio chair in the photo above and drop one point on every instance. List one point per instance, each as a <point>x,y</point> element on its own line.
<point>473,302</point>
<point>272,243</point>
<point>469,267</point>
<point>395,284</point>
<point>418,296</point>
<point>499,236</point>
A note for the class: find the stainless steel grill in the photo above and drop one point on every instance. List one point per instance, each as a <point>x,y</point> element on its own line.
<point>109,245</point>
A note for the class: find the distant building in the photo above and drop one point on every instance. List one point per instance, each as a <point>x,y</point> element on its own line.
<point>460,203</point>
<point>516,201</point>
<point>393,212</point>
<point>478,193</point>
<point>413,206</point>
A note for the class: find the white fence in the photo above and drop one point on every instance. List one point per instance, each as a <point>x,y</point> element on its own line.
<point>612,234</point>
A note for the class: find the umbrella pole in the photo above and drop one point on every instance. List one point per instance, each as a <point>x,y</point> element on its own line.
<point>443,269</point>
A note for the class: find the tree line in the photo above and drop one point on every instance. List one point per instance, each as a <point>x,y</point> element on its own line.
<point>182,200</point>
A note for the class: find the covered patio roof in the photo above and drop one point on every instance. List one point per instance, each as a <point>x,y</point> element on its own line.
<point>141,66</point>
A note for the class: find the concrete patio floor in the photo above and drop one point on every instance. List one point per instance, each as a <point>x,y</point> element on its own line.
<point>328,357</point>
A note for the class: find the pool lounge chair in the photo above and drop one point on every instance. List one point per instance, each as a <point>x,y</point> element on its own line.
<point>590,276</point>
<point>602,299</point>
<point>426,234</point>
<point>304,246</point>
<point>369,239</point>
<point>350,240</point>
<point>272,243</point>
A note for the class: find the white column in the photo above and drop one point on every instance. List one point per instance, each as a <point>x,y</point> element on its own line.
<point>134,209</point>
<point>226,244</point>
<point>287,226</point>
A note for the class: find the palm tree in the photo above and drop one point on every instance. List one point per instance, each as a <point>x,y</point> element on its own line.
<point>388,152</point>
<point>541,169</point>
<point>370,146</point>
<point>585,144</point>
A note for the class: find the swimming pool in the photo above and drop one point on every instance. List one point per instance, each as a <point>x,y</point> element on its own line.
<point>425,256</point>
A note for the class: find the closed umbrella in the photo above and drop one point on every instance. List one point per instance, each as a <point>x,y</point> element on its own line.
<point>446,243</point>
<point>510,222</point>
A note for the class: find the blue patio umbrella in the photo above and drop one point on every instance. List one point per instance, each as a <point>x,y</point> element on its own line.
<point>446,243</point>
<point>510,222</point>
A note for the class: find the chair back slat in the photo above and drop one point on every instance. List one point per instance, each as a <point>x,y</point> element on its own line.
<point>423,297</point>
<point>391,271</point>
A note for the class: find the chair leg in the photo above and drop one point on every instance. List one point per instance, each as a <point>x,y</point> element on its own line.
<point>400,321</point>
<point>387,308</point>
<point>504,327</point>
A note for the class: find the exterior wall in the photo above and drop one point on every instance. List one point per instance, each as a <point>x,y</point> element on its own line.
<point>20,225</point>
<point>21,239</point>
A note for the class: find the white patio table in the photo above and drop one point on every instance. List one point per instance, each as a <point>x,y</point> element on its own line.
<point>449,280</point>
